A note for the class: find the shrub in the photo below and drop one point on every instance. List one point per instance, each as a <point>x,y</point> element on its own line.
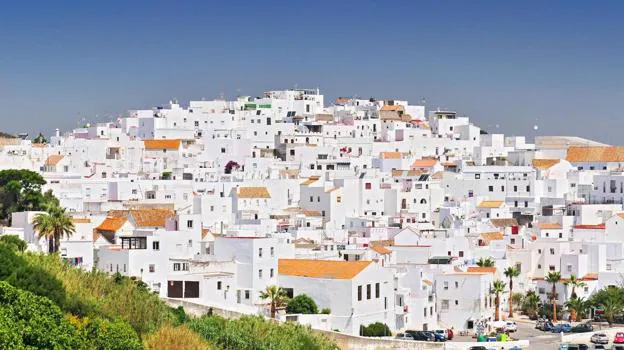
<point>174,338</point>
<point>28,320</point>
<point>376,329</point>
<point>14,242</point>
<point>253,332</point>
<point>326,311</point>
<point>302,304</point>
<point>103,334</point>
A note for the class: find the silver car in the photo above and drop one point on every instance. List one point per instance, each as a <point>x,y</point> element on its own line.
<point>599,338</point>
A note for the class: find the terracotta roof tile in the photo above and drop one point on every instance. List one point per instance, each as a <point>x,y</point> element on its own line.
<point>151,217</point>
<point>504,222</point>
<point>311,180</point>
<point>490,204</point>
<point>162,144</point>
<point>54,159</point>
<point>480,269</point>
<point>81,220</point>
<point>328,269</point>
<point>590,227</point>
<point>111,224</point>
<point>391,155</point>
<point>595,154</point>
<point>379,249</point>
<point>424,163</point>
<point>548,226</point>
<point>492,236</point>
<point>253,192</point>
<point>544,164</point>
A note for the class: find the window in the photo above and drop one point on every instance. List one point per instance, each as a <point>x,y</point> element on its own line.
<point>377,291</point>
<point>368,186</point>
<point>526,204</point>
<point>541,291</point>
<point>271,274</point>
<point>272,251</point>
<point>539,251</point>
<point>133,243</point>
<point>461,253</point>
<point>560,234</point>
<point>359,293</point>
<point>260,273</point>
<point>246,294</point>
<point>156,245</point>
<point>539,266</point>
<point>425,312</point>
<point>491,188</point>
<point>311,199</point>
<point>528,188</point>
<point>368,291</point>
<point>445,304</point>
<point>445,285</point>
<point>176,267</point>
<point>569,268</point>
<point>456,302</point>
<point>551,267</point>
<point>477,176</point>
<point>456,284</point>
<point>218,285</point>
<point>152,268</point>
<point>260,252</point>
<point>189,224</point>
<point>515,190</point>
<point>552,251</point>
<point>222,149</point>
<point>338,199</point>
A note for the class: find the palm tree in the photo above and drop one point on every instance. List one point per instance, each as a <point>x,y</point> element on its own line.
<point>554,278</point>
<point>611,306</point>
<point>485,262</point>
<point>577,307</point>
<point>53,225</point>
<point>276,296</point>
<point>574,282</point>
<point>510,273</point>
<point>498,287</point>
<point>530,303</point>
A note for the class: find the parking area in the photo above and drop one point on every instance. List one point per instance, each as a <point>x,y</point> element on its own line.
<point>526,331</point>
<point>584,338</point>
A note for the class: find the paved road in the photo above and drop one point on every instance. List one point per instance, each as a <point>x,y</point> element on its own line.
<point>538,339</point>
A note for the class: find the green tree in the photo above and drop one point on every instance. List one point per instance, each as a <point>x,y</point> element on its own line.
<point>575,283</point>
<point>14,242</point>
<point>276,296</point>
<point>530,304</point>
<point>302,304</point>
<point>577,307</point>
<point>485,262</point>
<point>103,334</point>
<point>376,329</point>
<point>33,322</point>
<point>40,139</point>
<point>511,273</point>
<point>498,287</point>
<point>53,225</point>
<point>610,300</point>
<point>553,278</point>
<point>20,190</point>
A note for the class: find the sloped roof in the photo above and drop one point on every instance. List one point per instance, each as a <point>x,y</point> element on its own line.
<point>81,220</point>
<point>490,204</point>
<point>504,222</point>
<point>54,159</point>
<point>595,154</point>
<point>253,192</point>
<point>324,117</point>
<point>162,144</point>
<point>544,164</point>
<point>328,269</point>
<point>391,155</point>
<point>492,236</point>
<point>111,224</point>
<point>548,226</point>
<point>621,215</point>
<point>379,249</point>
<point>151,217</point>
<point>590,227</point>
<point>394,108</point>
<point>311,180</point>
<point>424,163</point>
<point>480,269</point>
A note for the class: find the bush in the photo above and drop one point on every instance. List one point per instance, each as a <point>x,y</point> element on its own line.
<point>174,338</point>
<point>111,335</point>
<point>253,332</point>
<point>302,304</point>
<point>326,311</point>
<point>14,242</point>
<point>376,329</point>
<point>28,320</point>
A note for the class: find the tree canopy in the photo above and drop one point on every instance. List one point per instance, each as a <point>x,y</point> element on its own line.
<point>302,304</point>
<point>20,190</point>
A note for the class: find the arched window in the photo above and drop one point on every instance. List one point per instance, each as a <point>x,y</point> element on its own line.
<point>423,201</point>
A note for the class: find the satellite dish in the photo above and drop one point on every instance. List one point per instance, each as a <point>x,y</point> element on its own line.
<point>535,127</point>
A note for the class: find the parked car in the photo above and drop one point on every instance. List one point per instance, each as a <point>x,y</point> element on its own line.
<point>511,326</point>
<point>599,346</point>
<point>561,327</point>
<point>599,338</point>
<point>546,326</point>
<point>422,335</point>
<point>479,347</point>
<point>440,335</point>
<point>404,336</point>
<point>582,328</point>
<point>619,338</point>
<point>449,334</point>
<point>617,347</point>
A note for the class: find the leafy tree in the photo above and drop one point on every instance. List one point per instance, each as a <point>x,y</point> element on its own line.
<point>530,304</point>
<point>577,307</point>
<point>302,304</point>
<point>276,297</point>
<point>40,139</point>
<point>34,322</point>
<point>14,242</point>
<point>103,334</point>
<point>610,300</point>
<point>485,262</point>
<point>553,278</point>
<point>20,190</point>
<point>498,287</point>
<point>376,329</point>
<point>53,225</point>
<point>511,272</point>
<point>575,283</point>
<point>516,298</point>
<point>326,311</point>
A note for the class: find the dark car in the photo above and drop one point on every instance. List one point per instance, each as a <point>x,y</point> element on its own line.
<point>582,328</point>
<point>422,335</point>
<point>479,347</point>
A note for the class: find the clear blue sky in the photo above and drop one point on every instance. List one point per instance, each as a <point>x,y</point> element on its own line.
<point>515,64</point>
